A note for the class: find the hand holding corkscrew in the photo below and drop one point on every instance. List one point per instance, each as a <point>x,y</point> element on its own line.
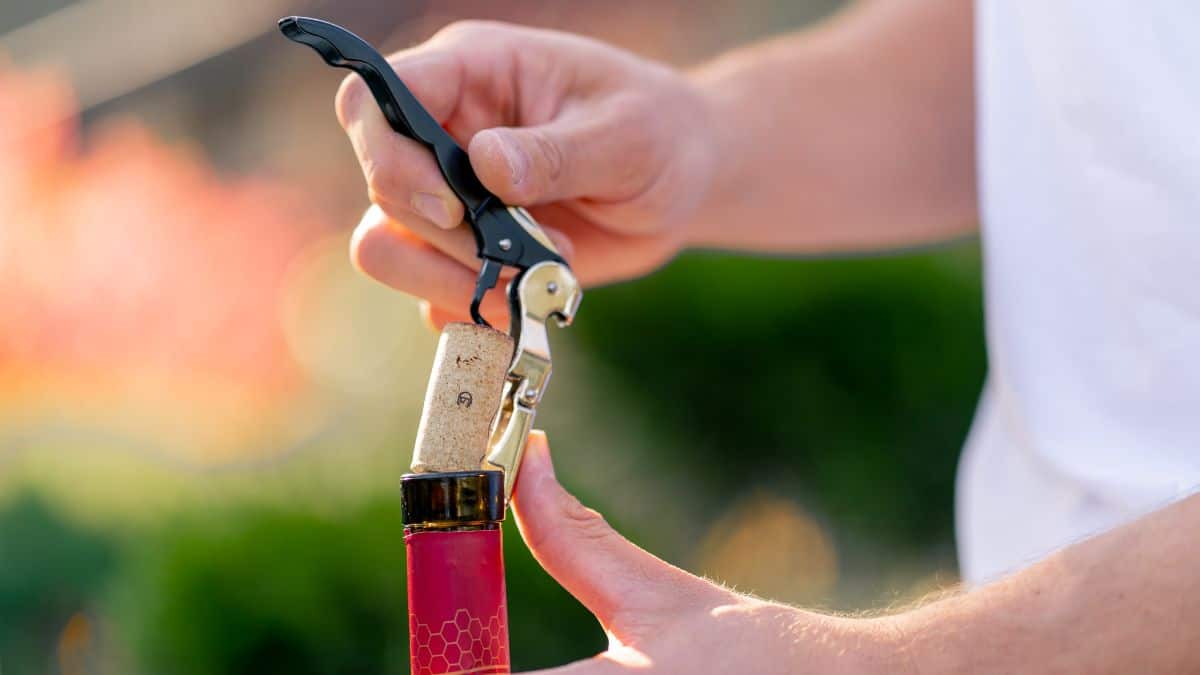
<point>483,392</point>
<point>544,286</point>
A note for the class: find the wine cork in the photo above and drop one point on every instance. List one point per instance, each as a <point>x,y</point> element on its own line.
<point>462,398</point>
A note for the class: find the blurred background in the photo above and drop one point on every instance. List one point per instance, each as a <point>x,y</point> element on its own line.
<point>204,411</point>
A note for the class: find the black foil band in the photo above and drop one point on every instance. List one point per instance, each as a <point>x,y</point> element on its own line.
<point>452,499</point>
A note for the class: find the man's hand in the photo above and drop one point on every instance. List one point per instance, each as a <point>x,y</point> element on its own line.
<point>660,619</point>
<point>611,150</point>
<point>1127,601</point>
<point>856,135</point>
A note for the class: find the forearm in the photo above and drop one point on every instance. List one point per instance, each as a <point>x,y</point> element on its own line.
<point>858,134</point>
<point>1127,601</point>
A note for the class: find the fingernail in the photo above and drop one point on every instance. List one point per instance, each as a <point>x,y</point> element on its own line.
<point>515,157</point>
<point>425,310</point>
<point>433,208</point>
<point>538,448</point>
<point>371,216</point>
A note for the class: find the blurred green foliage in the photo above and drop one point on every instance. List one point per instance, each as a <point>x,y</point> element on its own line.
<point>261,590</point>
<point>851,382</point>
<point>50,569</point>
<point>251,589</point>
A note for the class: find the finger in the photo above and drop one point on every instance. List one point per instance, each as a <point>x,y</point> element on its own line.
<point>431,71</point>
<point>612,255</point>
<point>400,171</point>
<point>389,253</point>
<point>458,243</point>
<point>611,576</point>
<point>607,154</point>
<point>436,318</point>
<point>456,78</point>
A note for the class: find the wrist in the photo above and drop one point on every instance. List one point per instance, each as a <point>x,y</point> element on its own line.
<point>715,111</point>
<point>933,638</point>
<point>883,645</point>
<point>840,645</point>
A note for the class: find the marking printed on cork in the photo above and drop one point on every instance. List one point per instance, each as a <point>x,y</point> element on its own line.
<point>462,398</point>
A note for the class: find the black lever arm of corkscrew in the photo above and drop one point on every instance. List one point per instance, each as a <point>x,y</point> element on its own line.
<point>343,49</point>
<point>499,237</point>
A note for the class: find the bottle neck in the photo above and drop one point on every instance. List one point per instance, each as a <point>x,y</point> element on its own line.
<point>455,500</point>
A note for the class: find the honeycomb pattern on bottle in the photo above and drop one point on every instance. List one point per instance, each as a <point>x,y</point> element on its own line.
<point>464,644</point>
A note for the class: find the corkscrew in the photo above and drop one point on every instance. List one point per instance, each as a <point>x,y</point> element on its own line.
<point>543,288</point>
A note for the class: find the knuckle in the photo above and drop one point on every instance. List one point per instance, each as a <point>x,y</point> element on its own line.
<point>522,193</point>
<point>548,161</point>
<point>384,178</point>
<point>584,522</point>
<point>551,154</point>
<point>642,135</point>
<point>466,30</point>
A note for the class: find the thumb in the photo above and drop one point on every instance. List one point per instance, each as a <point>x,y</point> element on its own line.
<point>602,157</point>
<point>611,576</point>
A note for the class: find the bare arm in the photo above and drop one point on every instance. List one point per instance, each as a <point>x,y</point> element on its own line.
<point>1124,602</point>
<point>858,134</point>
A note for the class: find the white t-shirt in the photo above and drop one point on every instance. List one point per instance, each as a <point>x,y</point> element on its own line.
<point>1089,157</point>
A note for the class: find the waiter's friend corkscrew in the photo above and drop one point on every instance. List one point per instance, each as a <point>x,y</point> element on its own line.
<point>482,394</point>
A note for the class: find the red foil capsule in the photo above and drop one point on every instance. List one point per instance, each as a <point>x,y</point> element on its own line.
<point>457,615</point>
<point>458,622</point>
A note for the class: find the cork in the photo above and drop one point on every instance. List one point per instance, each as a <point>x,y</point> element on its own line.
<point>462,398</point>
